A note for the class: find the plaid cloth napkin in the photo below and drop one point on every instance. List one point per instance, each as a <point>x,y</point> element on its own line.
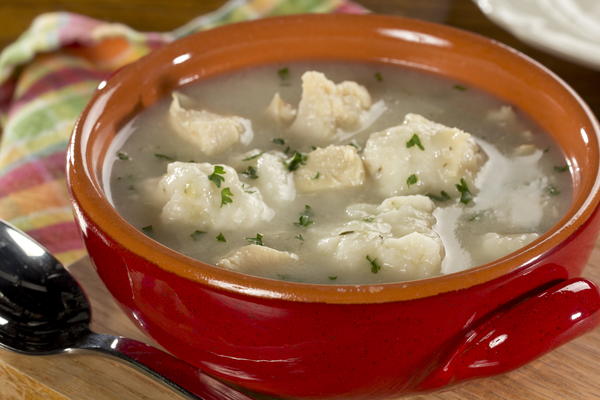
<point>46,79</point>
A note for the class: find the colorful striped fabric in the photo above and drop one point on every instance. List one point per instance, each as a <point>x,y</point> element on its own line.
<point>47,77</point>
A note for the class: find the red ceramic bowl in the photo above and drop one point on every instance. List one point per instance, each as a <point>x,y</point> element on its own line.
<point>356,341</point>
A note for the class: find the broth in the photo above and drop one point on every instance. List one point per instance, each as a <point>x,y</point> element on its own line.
<point>520,191</point>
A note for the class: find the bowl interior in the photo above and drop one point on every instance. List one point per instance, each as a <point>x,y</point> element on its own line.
<point>449,52</point>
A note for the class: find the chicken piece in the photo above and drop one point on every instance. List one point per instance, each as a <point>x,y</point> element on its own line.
<point>274,180</point>
<point>525,150</point>
<point>502,116</point>
<point>280,111</point>
<point>193,199</point>
<point>493,245</point>
<point>332,167</point>
<point>394,240</point>
<point>326,107</point>
<point>259,260</point>
<point>211,133</point>
<point>422,157</point>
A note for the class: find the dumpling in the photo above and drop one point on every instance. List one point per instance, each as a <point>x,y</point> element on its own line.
<point>326,109</point>
<point>259,260</point>
<point>422,157</point>
<point>331,167</point>
<point>274,180</point>
<point>395,240</point>
<point>493,245</point>
<point>211,133</point>
<point>193,198</point>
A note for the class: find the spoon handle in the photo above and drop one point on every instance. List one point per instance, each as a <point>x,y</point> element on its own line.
<point>180,376</point>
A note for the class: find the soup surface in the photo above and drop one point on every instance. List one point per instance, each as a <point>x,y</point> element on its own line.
<point>332,182</point>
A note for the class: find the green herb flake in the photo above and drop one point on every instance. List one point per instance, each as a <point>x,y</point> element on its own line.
<point>221,238</point>
<point>197,235</point>
<point>258,240</point>
<point>260,153</point>
<point>465,194</point>
<point>561,168</point>
<point>415,141</point>
<point>317,176</point>
<point>547,149</point>
<point>411,180</point>
<point>375,267</point>
<point>354,144</point>
<point>226,196</point>
<point>442,197</point>
<point>163,157</point>
<point>460,88</point>
<point>346,233</point>
<point>216,177</point>
<point>250,173</point>
<point>369,219</point>
<point>552,190</point>
<point>299,237</point>
<point>123,156</point>
<point>148,229</point>
<point>378,77</point>
<point>305,218</point>
<point>278,141</point>
<point>332,278</point>
<point>295,161</point>
<point>284,73</point>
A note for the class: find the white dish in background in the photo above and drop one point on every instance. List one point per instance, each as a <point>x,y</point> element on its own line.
<point>567,28</point>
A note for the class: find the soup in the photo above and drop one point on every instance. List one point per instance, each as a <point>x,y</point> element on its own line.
<point>357,173</point>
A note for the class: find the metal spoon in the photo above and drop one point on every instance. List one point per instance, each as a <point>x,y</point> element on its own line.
<point>44,311</point>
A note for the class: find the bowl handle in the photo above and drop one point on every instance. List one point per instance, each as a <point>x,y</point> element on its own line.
<point>521,332</point>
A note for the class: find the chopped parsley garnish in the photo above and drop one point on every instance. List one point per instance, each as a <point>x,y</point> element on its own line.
<point>305,218</point>
<point>226,196</point>
<point>317,175</point>
<point>552,190</point>
<point>279,141</point>
<point>547,149</point>
<point>369,219</point>
<point>442,197</point>
<point>355,145</point>
<point>411,180</point>
<point>164,157</point>
<point>375,267</point>
<point>313,147</point>
<point>123,156</point>
<point>196,235</point>
<point>415,141</point>
<point>465,194</point>
<point>378,76</point>
<point>284,73</point>
<point>216,177</point>
<point>296,160</point>
<point>260,153</point>
<point>299,237</point>
<point>460,88</point>
<point>561,168</point>
<point>346,233</point>
<point>258,240</point>
<point>221,238</point>
<point>147,229</point>
<point>250,172</point>
<point>332,278</point>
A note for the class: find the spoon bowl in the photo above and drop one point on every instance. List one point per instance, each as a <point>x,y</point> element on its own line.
<point>44,311</point>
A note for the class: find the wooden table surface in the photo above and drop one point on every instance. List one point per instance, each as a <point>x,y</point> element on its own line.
<point>570,373</point>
